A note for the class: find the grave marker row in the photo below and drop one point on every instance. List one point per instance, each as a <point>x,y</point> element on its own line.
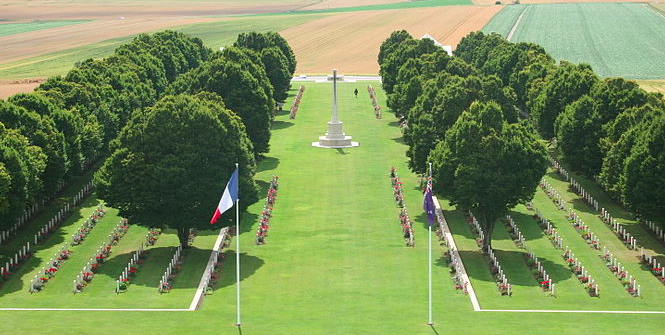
<point>581,273</point>
<point>505,288</point>
<point>375,103</point>
<point>165,283</point>
<point>296,103</point>
<point>266,214</point>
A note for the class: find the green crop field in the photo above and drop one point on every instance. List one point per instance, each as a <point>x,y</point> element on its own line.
<point>335,261</point>
<point>214,34</point>
<point>622,39</point>
<point>17,28</point>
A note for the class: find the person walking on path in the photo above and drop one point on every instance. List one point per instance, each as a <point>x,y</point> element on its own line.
<point>356,93</point>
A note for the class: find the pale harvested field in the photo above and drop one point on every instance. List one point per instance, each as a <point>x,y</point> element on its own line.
<point>91,9</point>
<point>326,4</point>
<point>652,85</point>
<point>9,88</point>
<point>350,42</point>
<point>25,45</point>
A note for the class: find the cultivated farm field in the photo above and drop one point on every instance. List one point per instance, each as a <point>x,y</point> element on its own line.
<point>351,41</point>
<point>623,39</point>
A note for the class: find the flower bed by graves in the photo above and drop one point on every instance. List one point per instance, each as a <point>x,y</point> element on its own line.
<point>101,255</point>
<point>88,225</point>
<point>296,103</point>
<point>583,230</point>
<point>266,214</point>
<point>651,264</point>
<point>627,281</point>
<point>139,256</point>
<point>375,104</point>
<point>581,273</point>
<point>612,263</point>
<point>49,271</point>
<point>172,269</point>
<point>405,221</point>
<point>537,269</point>
<point>505,288</point>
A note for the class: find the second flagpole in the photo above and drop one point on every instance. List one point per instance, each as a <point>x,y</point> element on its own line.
<point>238,255</point>
<point>429,236</point>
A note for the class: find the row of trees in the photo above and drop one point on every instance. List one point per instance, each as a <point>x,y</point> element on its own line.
<point>170,162</point>
<point>608,128</point>
<point>465,122</point>
<point>50,135</point>
<point>173,115</point>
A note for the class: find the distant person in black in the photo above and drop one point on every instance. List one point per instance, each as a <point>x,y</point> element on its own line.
<point>356,92</point>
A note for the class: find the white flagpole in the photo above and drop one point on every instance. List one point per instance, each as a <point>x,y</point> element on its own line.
<point>238,252</point>
<point>429,236</point>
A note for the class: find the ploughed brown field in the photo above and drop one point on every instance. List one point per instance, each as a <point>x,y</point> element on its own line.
<point>350,42</point>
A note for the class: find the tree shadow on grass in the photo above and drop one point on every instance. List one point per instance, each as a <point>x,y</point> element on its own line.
<point>394,123</point>
<point>276,125</point>
<point>529,234</point>
<point>248,266</point>
<point>267,163</point>
<point>399,140</point>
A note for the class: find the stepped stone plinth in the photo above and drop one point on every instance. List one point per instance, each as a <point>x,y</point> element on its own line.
<point>335,137</point>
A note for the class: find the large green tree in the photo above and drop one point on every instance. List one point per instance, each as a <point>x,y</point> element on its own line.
<point>170,164</point>
<point>561,87</point>
<point>578,131</point>
<point>487,165</point>
<point>644,172</point>
<point>242,85</point>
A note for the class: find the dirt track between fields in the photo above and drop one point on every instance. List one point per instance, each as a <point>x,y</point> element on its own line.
<point>351,41</point>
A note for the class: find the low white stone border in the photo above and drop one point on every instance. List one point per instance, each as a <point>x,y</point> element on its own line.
<point>453,247</point>
<point>196,301</point>
<point>198,297</point>
<point>472,294</point>
<point>567,311</point>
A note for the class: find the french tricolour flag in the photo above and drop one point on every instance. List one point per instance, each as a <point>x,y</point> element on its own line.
<point>228,198</point>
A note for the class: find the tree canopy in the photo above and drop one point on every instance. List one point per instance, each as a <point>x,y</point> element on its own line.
<point>488,165</point>
<point>170,163</point>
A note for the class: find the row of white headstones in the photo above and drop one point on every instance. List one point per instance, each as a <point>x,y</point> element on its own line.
<point>103,251</point>
<point>618,271</point>
<point>133,262</point>
<point>521,242</point>
<point>502,280</point>
<point>55,262</point>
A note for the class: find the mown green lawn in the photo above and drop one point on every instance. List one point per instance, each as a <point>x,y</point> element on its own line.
<point>335,261</point>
